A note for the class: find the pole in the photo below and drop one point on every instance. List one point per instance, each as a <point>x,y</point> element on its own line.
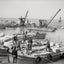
<point>54,16</point>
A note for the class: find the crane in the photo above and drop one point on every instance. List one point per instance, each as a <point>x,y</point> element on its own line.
<point>46,24</point>
<point>22,20</point>
<point>54,16</point>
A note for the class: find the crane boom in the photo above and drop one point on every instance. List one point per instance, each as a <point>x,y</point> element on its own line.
<point>26,16</point>
<point>54,16</point>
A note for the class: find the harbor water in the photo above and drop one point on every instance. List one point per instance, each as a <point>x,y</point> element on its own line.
<point>57,36</point>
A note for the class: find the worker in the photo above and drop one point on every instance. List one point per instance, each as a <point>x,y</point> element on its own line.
<point>30,41</point>
<point>18,46</point>
<point>21,19</point>
<point>30,44</point>
<point>15,55</point>
<point>15,39</point>
<point>25,37</point>
<point>48,46</point>
<point>8,55</point>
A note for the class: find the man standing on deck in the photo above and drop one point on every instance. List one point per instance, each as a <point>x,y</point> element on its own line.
<point>8,55</point>
<point>48,46</point>
<point>15,39</point>
<point>15,55</point>
<point>30,44</point>
<point>18,46</point>
<point>25,36</point>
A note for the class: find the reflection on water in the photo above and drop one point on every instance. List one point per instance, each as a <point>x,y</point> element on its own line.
<point>57,36</point>
<point>10,31</point>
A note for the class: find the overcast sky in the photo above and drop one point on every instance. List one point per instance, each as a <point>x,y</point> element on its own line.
<point>44,9</point>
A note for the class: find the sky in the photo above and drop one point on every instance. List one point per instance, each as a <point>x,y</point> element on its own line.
<point>38,9</point>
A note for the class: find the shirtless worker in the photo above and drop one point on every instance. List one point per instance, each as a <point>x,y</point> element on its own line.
<point>30,44</point>
<point>15,39</point>
<point>48,46</point>
<point>8,55</point>
<point>15,55</point>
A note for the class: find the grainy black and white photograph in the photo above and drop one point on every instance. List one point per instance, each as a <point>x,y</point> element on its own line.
<point>31,31</point>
